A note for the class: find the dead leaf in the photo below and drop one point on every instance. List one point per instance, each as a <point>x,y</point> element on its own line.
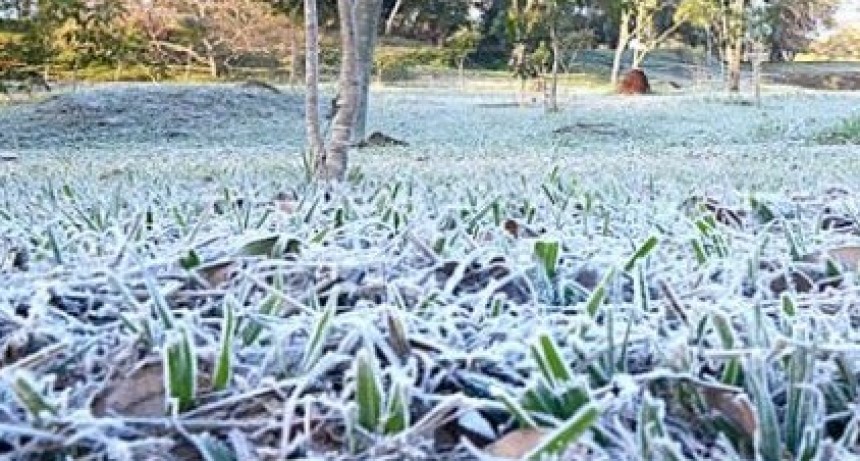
<point>736,408</point>
<point>286,206</point>
<point>516,444</point>
<point>722,214</point>
<point>512,227</point>
<point>218,273</point>
<point>140,394</point>
<point>847,256</point>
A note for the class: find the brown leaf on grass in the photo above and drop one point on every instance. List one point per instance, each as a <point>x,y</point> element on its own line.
<point>286,206</point>
<point>736,408</point>
<point>517,230</point>
<point>846,256</point>
<point>722,214</point>
<point>516,444</point>
<point>511,227</point>
<point>140,394</point>
<point>218,274</point>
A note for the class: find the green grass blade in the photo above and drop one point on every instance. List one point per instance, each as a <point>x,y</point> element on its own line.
<point>224,366</point>
<point>569,432</point>
<point>514,408</point>
<point>641,253</point>
<point>181,371</point>
<point>368,392</point>
<point>547,254</point>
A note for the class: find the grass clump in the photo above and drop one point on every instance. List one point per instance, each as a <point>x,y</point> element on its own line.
<point>847,132</point>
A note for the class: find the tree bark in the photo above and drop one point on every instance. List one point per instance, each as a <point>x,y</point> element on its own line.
<point>734,67</point>
<point>367,14</point>
<point>553,91</point>
<point>461,64</point>
<point>295,56</point>
<point>312,104</point>
<point>332,164</point>
<point>734,27</point>
<point>623,38</point>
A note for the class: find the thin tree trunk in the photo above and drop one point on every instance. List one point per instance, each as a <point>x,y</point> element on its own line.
<point>213,67</point>
<point>735,26</point>
<point>623,38</point>
<point>389,23</point>
<point>553,91</point>
<point>639,56</point>
<point>734,73</point>
<point>312,97</point>
<point>332,165</point>
<point>295,56</point>
<point>461,63</point>
<point>367,14</point>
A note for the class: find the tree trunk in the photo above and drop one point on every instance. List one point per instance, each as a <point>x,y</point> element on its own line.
<point>213,67</point>
<point>553,90</point>
<point>623,38</point>
<point>295,56</point>
<point>312,97</point>
<point>461,63</point>
<point>332,165</point>
<point>639,56</point>
<point>389,23</point>
<point>734,27</point>
<point>734,56</point>
<point>367,14</point>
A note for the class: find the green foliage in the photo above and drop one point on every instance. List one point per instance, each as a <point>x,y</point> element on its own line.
<point>395,63</point>
<point>698,13</point>
<point>555,392</point>
<point>848,132</point>
<point>463,42</point>
<point>181,370</point>
<point>379,412</point>
<point>566,434</point>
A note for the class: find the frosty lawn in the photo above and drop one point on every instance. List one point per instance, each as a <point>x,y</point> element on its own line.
<point>664,277</point>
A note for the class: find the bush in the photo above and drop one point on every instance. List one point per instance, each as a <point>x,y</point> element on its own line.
<point>843,44</point>
<point>397,63</point>
<point>848,132</point>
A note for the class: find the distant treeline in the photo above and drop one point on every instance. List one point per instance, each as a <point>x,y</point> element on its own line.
<point>165,39</point>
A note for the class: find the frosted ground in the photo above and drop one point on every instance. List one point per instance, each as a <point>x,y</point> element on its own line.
<point>662,277</point>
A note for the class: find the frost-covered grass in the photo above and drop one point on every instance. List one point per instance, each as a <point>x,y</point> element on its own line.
<point>666,278</point>
<point>848,132</point>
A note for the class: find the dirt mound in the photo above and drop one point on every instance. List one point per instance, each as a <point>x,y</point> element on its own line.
<point>635,82</point>
<point>149,114</point>
<point>378,139</point>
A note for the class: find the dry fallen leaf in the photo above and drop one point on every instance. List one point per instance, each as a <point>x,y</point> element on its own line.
<point>847,256</point>
<point>218,273</point>
<point>286,206</point>
<point>512,227</point>
<point>516,444</point>
<point>140,394</point>
<point>736,408</point>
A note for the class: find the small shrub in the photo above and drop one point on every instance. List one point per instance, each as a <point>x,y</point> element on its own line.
<point>848,132</point>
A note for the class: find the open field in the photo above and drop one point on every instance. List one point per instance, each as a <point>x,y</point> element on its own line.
<point>640,278</point>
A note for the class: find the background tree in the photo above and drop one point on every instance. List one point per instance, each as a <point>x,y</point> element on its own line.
<point>540,26</point>
<point>794,24</point>
<point>367,15</point>
<point>463,43</point>
<point>214,33</point>
<point>644,25</point>
<point>431,20</point>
